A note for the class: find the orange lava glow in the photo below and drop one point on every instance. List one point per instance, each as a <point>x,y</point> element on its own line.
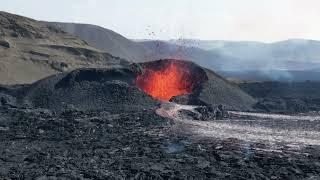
<point>166,82</point>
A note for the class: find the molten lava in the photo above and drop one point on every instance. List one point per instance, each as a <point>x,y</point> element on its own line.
<point>171,80</point>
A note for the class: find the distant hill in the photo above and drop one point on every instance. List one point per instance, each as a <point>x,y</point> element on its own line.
<point>105,39</point>
<point>46,48</point>
<point>293,54</point>
<point>138,51</point>
<point>164,50</point>
<point>31,50</point>
<point>272,75</point>
<point>290,60</point>
<point>229,57</point>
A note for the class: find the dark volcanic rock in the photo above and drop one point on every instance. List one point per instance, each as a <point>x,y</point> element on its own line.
<point>6,100</point>
<point>282,89</point>
<point>40,144</point>
<point>285,97</point>
<point>187,99</point>
<point>288,104</point>
<point>186,114</point>
<point>4,43</point>
<point>209,113</point>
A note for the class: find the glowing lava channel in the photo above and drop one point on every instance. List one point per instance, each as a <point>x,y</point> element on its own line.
<point>165,83</point>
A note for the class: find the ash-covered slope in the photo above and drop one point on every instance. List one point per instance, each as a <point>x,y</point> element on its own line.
<point>217,90</point>
<point>31,50</point>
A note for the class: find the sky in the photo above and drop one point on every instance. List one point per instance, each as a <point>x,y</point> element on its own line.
<point>236,20</point>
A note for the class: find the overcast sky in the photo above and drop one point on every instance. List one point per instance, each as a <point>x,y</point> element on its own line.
<point>257,20</point>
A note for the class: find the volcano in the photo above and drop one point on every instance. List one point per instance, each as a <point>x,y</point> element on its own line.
<point>172,78</point>
<point>136,85</point>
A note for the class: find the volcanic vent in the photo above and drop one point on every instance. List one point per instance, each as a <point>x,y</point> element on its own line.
<point>165,79</point>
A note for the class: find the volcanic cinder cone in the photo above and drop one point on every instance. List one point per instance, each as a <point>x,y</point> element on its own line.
<point>176,79</point>
<point>140,86</point>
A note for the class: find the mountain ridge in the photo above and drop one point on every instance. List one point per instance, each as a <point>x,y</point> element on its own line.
<point>224,55</point>
<point>288,56</point>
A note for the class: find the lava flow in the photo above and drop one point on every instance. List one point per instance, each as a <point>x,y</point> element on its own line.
<point>164,83</point>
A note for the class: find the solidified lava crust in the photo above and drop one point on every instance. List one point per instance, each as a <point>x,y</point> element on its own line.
<point>40,144</point>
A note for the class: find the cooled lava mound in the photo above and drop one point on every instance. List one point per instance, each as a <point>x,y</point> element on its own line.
<point>108,89</point>
<point>131,87</point>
